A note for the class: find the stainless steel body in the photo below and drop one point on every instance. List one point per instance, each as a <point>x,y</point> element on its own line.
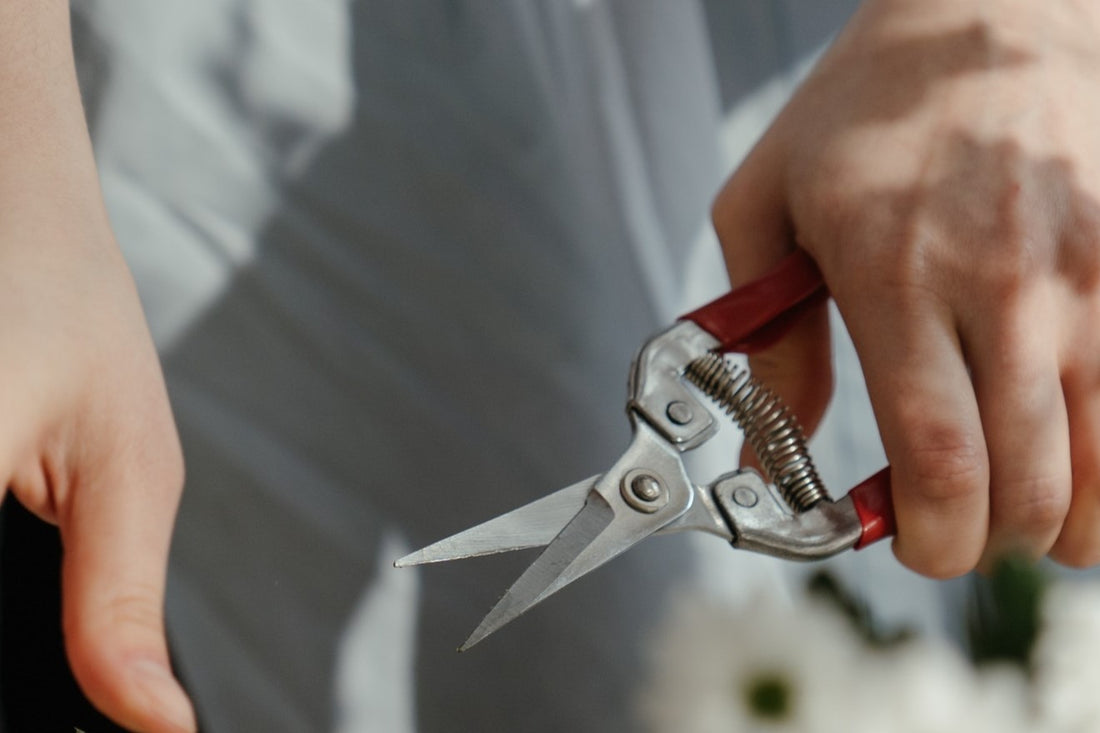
<point>648,491</point>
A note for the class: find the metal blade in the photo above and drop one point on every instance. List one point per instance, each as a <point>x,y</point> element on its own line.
<point>601,531</point>
<point>546,574</point>
<point>532,525</point>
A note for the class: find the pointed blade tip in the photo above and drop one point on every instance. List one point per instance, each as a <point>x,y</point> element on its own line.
<point>407,561</point>
<point>479,634</point>
<point>424,556</point>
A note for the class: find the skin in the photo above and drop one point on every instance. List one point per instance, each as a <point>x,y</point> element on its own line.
<point>941,164</point>
<point>87,440</point>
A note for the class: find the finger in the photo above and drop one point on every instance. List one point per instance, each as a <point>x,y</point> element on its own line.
<point>115,531</point>
<point>751,221</point>
<point>750,215</point>
<point>1016,378</point>
<point>1078,544</point>
<point>928,417</point>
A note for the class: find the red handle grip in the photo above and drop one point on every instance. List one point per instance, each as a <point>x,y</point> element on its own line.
<point>755,316</point>
<point>875,508</point>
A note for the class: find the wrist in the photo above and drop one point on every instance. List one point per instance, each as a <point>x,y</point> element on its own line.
<point>47,170</point>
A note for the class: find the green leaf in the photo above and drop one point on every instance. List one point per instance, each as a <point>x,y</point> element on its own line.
<point>1003,612</point>
<point>825,587</point>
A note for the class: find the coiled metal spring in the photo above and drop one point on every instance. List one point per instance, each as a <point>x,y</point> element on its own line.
<point>769,427</point>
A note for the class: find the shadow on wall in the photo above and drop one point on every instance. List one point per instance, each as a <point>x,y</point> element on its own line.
<point>437,327</point>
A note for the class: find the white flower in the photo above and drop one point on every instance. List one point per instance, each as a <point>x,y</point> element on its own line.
<point>763,666</point>
<point>770,666</point>
<point>928,686</point>
<point>1067,659</point>
<point>1003,700</point>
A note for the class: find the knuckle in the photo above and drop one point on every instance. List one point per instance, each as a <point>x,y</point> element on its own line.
<point>1030,506</point>
<point>895,276</point>
<point>945,462</point>
<point>137,610</point>
<point>1011,274</point>
<point>826,198</point>
<point>905,277</point>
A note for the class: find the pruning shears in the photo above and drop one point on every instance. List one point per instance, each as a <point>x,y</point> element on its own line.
<point>680,383</point>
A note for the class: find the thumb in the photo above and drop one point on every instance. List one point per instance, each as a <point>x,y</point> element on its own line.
<point>116,533</point>
<point>751,220</point>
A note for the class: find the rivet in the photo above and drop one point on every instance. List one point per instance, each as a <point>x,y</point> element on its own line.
<point>679,412</point>
<point>745,497</point>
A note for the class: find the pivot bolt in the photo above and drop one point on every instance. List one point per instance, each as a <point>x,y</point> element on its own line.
<point>646,488</point>
<point>643,491</point>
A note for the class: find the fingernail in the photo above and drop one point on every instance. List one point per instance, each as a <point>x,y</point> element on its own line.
<point>167,699</point>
